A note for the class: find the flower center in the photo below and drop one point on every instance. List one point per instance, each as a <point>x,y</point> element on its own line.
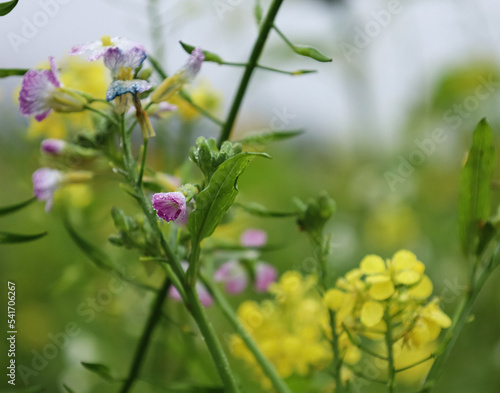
<point>106,40</point>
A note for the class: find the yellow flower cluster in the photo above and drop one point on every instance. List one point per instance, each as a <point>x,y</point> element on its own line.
<point>294,330</point>
<point>289,331</point>
<point>396,290</point>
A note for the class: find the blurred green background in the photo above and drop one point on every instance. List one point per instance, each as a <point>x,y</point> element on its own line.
<point>393,190</point>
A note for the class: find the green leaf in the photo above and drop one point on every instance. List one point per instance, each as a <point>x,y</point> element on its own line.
<point>10,238</point>
<point>258,210</point>
<point>486,235</point>
<point>268,137</point>
<point>209,56</point>
<point>99,258</point>
<point>309,51</point>
<point>5,8</point>
<point>99,369</point>
<point>475,179</point>
<point>258,11</point>
<point>214,201</point>
<point>12,72</point>
<point>12,208</point>
<point>68,389</point>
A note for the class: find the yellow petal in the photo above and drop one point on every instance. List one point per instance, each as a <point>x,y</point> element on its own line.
<point>403,260</point>
<point>333,299</point>
<point>353,275</point>
<point>371,313</point>
<point>435,314</point>
<point>378,278</point>
<point>372,264</point>
<point>408,277</point>
<point>422,290</point>
<point>382,291</point>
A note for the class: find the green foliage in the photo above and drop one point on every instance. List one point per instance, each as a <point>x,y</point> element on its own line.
<point>258,210</point>
<point>214,201</point>
<point>99,369</point>
<point>13,208</point>
<point>209,56</point>
<point>12,72</point>
<point>208,157</point>
<point>314,215</point>
<point>475,179</point>
<point>313,53</point>
<point>133,233</point>
<point>268,137</point>
<point>7,7</point>
<point>10,238</point>
<point>68,389</point>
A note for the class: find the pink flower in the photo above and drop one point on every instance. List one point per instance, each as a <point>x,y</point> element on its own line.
<point>170,206</point>
<point>253,238</point>
<point>205,298</point>
<point>37,88</point>
<point>53,146</point>
<point>97,49</point>
<point>45,183</point>
<point>236,277</point>
<point>193,65</point>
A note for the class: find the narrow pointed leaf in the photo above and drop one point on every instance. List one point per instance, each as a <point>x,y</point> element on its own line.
<point>475,180</point>
<point>11,238</point>
<point>12,208</point>
<point>268,137</point>
<point>8,6</point>
<point>99,258</point>
<point>99,369</point>
<point>258,11</point>
<point>313,53</point>
<point>209,56</point>
<point>12,72</point>
<point>215,200</point>
<point>257,209</point>
<point>68,389</point>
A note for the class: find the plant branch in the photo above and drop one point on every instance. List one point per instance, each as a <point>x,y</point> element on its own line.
<point>265,28</point>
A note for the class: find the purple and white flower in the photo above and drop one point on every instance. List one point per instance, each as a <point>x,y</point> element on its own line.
<point>115,59</point>
<point>205,298</point>
<point>97,49</point>
<point>175,82</point>
<point>253,238</point>
<point>42,91</point>
<point>45,183</point>
<point>235,276</point>
<point>170,206</point>
<point>53,146</point>
<point>36,91</point>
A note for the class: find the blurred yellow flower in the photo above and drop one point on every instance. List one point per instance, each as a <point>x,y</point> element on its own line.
<point>203,95</point>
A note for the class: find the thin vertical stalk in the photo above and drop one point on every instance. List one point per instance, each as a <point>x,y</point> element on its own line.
<point>390,352</point>
<point>265,28</point>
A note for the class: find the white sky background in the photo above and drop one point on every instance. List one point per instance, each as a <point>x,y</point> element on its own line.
<point>369,96</point>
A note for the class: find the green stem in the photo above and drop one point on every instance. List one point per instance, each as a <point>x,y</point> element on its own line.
<point>337,359</point>
<point>146,335</point>
<point>459,320</point>
<point>194,305</point>
<point>287,41</point>
<point>415,364</point>
<point>228,312</point>
<point>102,114</point>
<point>292,73</point>
<point>390,353</point>
<point>186,97</point>
<point>143,163</point>
<point>265,28</point>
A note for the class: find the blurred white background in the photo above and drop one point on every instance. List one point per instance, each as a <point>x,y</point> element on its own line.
<point>372,88</point>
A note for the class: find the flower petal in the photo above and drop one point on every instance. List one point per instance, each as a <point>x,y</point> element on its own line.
<point>422,290</point>
<point>371,313</point>
<point>169,205</point>
<point>253,238</point>
<point>408,277</point>
<point>233,275</point>
<point>382,291</point>
<point>119,87</point>
<point>334,298</point>
<point>372,264</point>
<point>265,275</point>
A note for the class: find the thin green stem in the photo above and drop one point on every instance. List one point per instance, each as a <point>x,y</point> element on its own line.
<point>337,359</point>
<point>266,68</point>
<point>265,364</point>
<point>146,335</point>
<point>283,36</point>
<point>415,364</point>
<point>194,304</point>
<point>102,114</point>
<point>265,28</point>
<point>143,163</point>
<point>363,347</point>
<point>390,354</point>
<point>186,97</point>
